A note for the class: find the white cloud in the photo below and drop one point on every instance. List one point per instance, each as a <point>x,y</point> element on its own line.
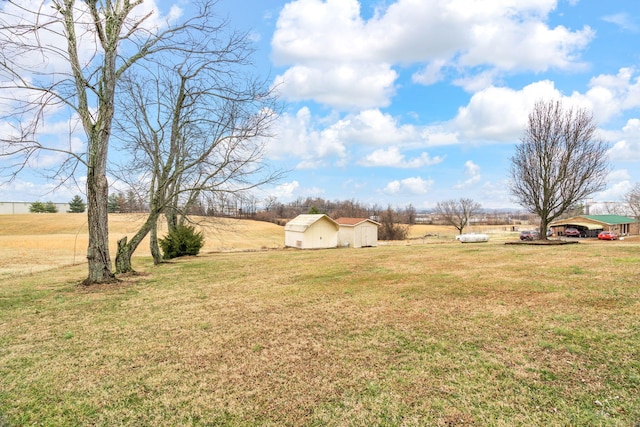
<point>372,127</point>
<point>627,148</point>
<point>472,171</point>
<point>285,191</point>
<point>495,195</point>
<point>621,92</point>
<point>500,113</point>
<point>477,81</point>
<point>316,140</point>
<point>509,44</point>
<point>438,135</point>
<point>492,115</point>
<point>392,157</point>
<point>344,86</point>
<point>411,186</point>
<point>430,74</point>
<point>35,189</point>
<point>622,20</point>
<point>298,136</point>
<point>619,183</point>
<point>328,45</point>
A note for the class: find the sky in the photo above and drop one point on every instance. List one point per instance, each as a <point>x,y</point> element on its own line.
<point>398,102</point>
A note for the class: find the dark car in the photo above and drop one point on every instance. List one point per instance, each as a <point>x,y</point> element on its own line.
<point>530,235</point>
<point>571,232</point>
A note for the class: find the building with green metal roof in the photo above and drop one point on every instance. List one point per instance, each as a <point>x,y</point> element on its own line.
<point>591,225</point>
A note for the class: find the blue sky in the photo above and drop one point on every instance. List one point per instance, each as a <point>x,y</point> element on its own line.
<point>419,101</point>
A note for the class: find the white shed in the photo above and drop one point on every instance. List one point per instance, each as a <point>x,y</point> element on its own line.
<point>311,232</point>
<point>357,232</point>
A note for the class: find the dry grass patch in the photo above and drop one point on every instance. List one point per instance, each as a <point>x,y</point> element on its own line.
<point>442,335</point>
<point>31,243</point>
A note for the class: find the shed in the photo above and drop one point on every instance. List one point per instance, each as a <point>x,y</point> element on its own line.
<point>591,225</point>
<point>311,231</point>
<point>357,232</point>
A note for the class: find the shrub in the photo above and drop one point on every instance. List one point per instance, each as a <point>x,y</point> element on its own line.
<point>39,207</point>
<point>181,241</point>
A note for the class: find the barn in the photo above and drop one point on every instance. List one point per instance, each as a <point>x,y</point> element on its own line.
<point>311,231</point>
<point>591,225</point>
<point>357,232</point>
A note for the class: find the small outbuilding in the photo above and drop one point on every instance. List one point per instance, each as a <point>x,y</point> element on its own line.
<point>357,232</point>
<point>311,231</point>
<point>591,225</point>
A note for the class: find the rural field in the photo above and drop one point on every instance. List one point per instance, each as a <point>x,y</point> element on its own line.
<point>424,332</point>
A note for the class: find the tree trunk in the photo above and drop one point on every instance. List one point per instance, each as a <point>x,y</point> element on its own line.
<point>123,257</point>
<point>171,215</point>
<point>98,256</point>
<point>153,245</point>
<point>544,224</point>
<point>126,250</point>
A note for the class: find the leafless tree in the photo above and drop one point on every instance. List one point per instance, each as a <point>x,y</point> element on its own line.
<point>632,199</point>
<point>559,162</point>
<point>410,214</point>
<point>390,226</point>
<point>457,213</point>
<point>612,208</point>
<point>191,130</point>
<point>67,57</point>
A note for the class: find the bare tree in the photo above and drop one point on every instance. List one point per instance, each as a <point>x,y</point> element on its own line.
<point>632,199</point>
<point>457,213</point>
<point>191,130</point>
<point>390,226</point>
<point>559,162</point>
<point>613,208</point>
<point>67,57</point>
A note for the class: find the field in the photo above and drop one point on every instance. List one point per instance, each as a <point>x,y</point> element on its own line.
<point>418,333</point>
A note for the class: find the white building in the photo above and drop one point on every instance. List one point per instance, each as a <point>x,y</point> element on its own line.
<point>311,232</point>
<point>357,232</point>
<point>12,208</point>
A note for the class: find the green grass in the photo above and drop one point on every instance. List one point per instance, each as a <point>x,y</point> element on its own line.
<point>443,334</point>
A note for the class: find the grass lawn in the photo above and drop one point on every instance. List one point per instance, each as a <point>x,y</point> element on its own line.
<point>442,334</point>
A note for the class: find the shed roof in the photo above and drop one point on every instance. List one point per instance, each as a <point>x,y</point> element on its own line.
<point>304,221</point>
<point>587,225</point>
<point>586,220</point>
<point>355,221</point>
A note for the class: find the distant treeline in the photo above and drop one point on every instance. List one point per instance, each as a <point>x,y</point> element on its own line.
<point>272,210</point>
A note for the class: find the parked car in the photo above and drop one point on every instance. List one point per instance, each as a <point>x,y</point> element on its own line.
<point>571,232</point>
<point>530,235</point>
<point>608,235</point>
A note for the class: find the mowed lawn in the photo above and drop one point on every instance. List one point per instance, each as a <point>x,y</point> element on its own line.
<point>433,333</point>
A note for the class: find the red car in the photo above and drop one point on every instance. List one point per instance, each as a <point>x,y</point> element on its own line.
<point>572,232</point>
<point>608,235</point>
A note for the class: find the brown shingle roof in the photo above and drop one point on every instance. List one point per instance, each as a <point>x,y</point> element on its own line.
<point>352,221</point>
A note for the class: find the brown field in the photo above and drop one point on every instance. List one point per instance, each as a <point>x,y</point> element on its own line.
<point>37,242</point>
<point>424,332</point>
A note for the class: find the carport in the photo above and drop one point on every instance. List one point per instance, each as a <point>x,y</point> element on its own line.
<point>591,225</point>
<point>586,229</point>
